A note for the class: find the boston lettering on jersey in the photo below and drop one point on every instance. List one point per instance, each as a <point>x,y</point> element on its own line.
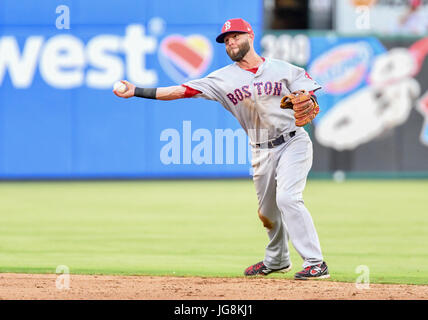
<point>266,88</point>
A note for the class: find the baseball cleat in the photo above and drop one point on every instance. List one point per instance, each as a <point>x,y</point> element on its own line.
<point>260,269</point>
<point>319,271</point>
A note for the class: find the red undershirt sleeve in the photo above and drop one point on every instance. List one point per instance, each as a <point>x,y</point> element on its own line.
<point>190,92</point>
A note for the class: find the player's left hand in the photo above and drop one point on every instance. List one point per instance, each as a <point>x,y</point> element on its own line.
<point>304,105</point>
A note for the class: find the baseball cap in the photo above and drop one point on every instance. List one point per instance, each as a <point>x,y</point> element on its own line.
<point>234,25</point>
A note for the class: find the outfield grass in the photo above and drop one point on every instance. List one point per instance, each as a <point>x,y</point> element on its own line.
<point>207,228</point>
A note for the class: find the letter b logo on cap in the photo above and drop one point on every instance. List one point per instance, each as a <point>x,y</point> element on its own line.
<point>227,25</point>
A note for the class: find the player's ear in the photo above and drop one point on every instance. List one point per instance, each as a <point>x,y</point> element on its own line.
<point>251,37</point>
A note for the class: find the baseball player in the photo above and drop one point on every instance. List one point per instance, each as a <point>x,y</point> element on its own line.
<point>272,100</point>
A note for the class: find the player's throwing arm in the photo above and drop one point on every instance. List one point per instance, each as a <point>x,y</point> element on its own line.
<point>163,93</point>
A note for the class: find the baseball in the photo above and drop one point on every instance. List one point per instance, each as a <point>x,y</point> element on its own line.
<point>120,87</point>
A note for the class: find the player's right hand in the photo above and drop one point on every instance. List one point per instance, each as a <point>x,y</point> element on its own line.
<point>128,93</point>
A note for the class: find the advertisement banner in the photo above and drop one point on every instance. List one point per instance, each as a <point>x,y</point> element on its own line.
<point>59,117</point>
<point>374,100</point>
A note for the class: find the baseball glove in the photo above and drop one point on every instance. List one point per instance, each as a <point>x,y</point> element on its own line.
<point>304,105</point>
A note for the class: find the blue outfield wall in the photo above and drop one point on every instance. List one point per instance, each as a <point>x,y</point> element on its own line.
<point>58,115</point>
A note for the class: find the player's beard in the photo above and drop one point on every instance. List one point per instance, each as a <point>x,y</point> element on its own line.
<point>243,50</point>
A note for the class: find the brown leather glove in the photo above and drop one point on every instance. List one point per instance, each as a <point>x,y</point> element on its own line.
<point>304,105</point>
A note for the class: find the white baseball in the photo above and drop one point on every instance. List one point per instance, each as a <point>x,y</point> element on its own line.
<point>120,87</point>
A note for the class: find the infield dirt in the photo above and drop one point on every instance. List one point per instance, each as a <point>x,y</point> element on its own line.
<point>97,287</point>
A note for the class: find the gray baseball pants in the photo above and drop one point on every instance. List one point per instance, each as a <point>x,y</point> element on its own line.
<point>279,176</point>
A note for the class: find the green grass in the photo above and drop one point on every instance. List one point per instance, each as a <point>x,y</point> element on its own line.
<point>207,228</point>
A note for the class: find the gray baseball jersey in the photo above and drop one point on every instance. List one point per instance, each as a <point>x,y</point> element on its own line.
<point>254,99</point>
<point>279,173</point>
